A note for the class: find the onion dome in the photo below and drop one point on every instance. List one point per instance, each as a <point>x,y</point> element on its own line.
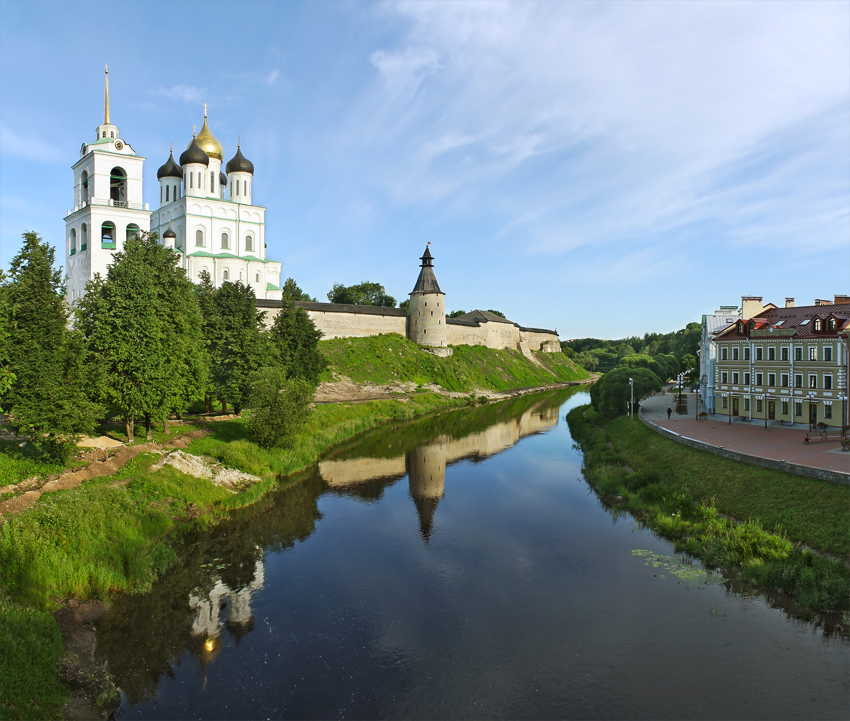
<point>222,178</point>
<point>194,154</point>
<point>239,163</point>
<point>207,142</point>
<point>170,169</point>
<point>169,233</point>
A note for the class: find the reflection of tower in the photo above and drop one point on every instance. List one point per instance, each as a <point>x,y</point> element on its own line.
<point>426,469</point>
<point>240,617</point>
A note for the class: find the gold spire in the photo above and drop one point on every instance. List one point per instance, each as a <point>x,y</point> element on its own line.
<point>207,142</point>
<point>106,96</point>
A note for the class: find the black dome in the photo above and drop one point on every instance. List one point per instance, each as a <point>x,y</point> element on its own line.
<point>239,163</point>
<point>170,169</point>
<point>222,178</point>
<point>169,233</point>
<point>194,154</point>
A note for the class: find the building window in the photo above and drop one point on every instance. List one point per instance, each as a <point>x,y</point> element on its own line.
<point>827,353</point>
<point>735,378</point>
<point>199,238</point>
<point>746,379</point>
<point>758,379</point>
<point>723,354</point>
<point>111,133</point>
<point>813,381</point>
<point>785,354</point>
<point>747,353</point>
<point>73,241</point>
<point>746,404</point>
<point>758,405</point>
<point>212,181</point>
<point>258,278</point>
<point>107,234</point>
<point>132,231</point>
<point>798,353</point>
<point>225,275</point>
<point>84,237</point>
<point>724,377</point>
<point>225,242</point>
<point>827,412</point>
<point>191,180</point>
<point>84,188</point>
<point>118,186</point>
<point>237,187</point>
<point>771,353</point>
<point>798,380</point>
<point>249,243</point>
<point>784,380</point>
<point>827,383</point>
<point>771,380</point>
<point>798,409</point>
<point>813,352</point>
<point>166,193</point>
<point>734,354</point>
<point>784,408</point>
<point>832,323</point>
<point>723,403</point>
<point>817,324</point>
<point>758,354</point>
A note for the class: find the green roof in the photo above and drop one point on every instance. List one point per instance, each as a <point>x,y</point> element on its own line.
<point>271,286</point>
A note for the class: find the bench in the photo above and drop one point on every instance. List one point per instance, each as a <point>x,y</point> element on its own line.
<point>822,436</point>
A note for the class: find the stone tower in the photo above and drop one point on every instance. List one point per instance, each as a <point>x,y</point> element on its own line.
<point>427,323</point>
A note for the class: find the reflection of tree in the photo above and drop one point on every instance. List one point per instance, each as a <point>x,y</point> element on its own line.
<point>142,637</point>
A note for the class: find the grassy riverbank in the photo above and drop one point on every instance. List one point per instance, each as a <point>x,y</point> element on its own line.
<point>391,358</point>
<point>686,495</point>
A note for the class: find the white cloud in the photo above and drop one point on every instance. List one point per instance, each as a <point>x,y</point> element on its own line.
<point>28,147</point>
<point>186,93</point>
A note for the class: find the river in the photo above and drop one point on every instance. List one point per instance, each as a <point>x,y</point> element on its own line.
<point>458,567</point>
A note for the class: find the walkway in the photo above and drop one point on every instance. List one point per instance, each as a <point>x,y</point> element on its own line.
<point>777,442</point>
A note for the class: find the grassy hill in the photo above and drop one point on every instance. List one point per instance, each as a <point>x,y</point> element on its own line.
<point>392,359</point>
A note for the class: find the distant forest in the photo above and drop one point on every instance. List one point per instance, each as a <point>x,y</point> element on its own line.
<point>602,356</point>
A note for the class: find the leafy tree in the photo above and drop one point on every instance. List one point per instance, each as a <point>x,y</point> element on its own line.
<point>241,348</point>
<point>279,406</point>
<point>587,360</point>
<point>7,378</point>
<point>365,293</point>
<point>48,401</point>
<point>296,340</point>
<point>143,327</point>
<point>456,314</point>
<point>496,312</point>
<point>291,291</point>
<point>211,330</point>
<point>405,306</point>
<point>610,394</point>
<point>567,351</point>
<point>686,341</point>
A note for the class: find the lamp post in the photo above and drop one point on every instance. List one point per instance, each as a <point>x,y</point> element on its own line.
<point>631,396</point>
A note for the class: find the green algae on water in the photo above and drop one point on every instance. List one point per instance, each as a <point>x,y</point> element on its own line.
<point>687,572</point>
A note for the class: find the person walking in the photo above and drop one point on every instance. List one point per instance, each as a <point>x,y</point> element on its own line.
<point>669,412</point>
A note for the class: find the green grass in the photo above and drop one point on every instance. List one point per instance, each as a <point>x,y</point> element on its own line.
<point>392,359</point>
<point>686,496</point>
<point>19,463</point>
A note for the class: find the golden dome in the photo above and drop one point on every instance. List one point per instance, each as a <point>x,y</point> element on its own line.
<point>207,142</point>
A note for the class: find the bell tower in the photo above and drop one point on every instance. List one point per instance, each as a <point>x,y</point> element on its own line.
<point>107,206</point>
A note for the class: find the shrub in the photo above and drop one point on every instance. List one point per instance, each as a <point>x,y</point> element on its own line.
<point>280,407</point>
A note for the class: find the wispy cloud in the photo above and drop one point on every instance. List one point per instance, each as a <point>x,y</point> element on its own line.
<point>28,147</point>
<point>186,93</point>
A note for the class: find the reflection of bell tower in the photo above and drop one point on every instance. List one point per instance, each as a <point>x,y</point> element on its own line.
<point>426,469</point>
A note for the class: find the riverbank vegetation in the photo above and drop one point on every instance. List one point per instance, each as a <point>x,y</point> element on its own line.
<point>388,359</point>
<point>740,518</point>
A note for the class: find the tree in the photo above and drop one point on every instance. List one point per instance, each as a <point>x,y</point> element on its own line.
<point>7,378</point>
<point>279,406</point>
<point>211,330</point>
<point>456,314</point>
<point>496,312</point>
<point>405,306</point>
<point>291,291</point>
<point>143,327</point>
<point>587,360</point>
<point>241,348</point>
<point>365,293</point>
<point>610,395</point>
<point>48,401</point>
<point>295,338</point>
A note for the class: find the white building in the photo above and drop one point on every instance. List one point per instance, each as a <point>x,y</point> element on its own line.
<point>205,214</point>
<point>722,318</point>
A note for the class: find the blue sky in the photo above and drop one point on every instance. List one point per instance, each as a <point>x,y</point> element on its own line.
<point>604,168</point>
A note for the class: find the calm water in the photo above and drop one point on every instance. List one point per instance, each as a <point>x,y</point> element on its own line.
<point>457,567</point>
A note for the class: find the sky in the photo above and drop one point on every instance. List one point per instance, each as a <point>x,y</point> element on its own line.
<point>604,169</point>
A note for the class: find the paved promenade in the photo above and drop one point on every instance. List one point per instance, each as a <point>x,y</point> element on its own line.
<point>777,442</point>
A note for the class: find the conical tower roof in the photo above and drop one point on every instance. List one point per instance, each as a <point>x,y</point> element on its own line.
<point>427,281</point>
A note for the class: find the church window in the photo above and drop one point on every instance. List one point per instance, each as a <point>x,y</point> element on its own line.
<point>199,237</point>
<point>212,181</point>
<point>118,186</point>
<point>132,230</point>
<point>107,234</point>
<point>257,280</point>
<point>249,243</point>
<point>225,242</point>
<point>166,193</point>
<point>200,181</point>
<point>103,134</point>
<point>237,187</point>
<point>84,188</point>
<point>84,236</point>
<point>191,182</point>
<point>225,274</point>
<point>73,241</point>
<point>111,133</point>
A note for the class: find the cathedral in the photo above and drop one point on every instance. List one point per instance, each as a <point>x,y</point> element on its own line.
<point>205,212</point>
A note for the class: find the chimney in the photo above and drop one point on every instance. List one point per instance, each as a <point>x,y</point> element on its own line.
<point>789,302</point>
<point>821,301</point>
<point>751,306</point>
<point>841,299</point>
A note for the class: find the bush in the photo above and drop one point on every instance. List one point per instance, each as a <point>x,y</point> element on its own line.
<point>280,407</point>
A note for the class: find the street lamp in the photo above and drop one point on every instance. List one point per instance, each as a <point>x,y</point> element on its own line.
<point>631,396</point>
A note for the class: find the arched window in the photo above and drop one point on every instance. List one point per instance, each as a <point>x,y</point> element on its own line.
<point>200,181</point>
<point>84,188</point>
<point>176,192</point>
<point>257,280</point>
<point>107,235</point>
<point>73,241</point>
<point>817,324</point>
<point>225,275</point>
<point>84,237</point>
<point>190,180</point>
<point>832,323</point>
<point>166,194</point>
<point>111,133</point>
<point>225,242</point>
<point>199,237</point>
<point>118,187</point>
<point>132,230</point>
<point>212,181</point>
<point>249,243</point>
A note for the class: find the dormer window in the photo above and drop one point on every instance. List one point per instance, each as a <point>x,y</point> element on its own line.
<point>752,325</point>
<point>740,328</point>
<point>817,324</point>
<point>832,323</point>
